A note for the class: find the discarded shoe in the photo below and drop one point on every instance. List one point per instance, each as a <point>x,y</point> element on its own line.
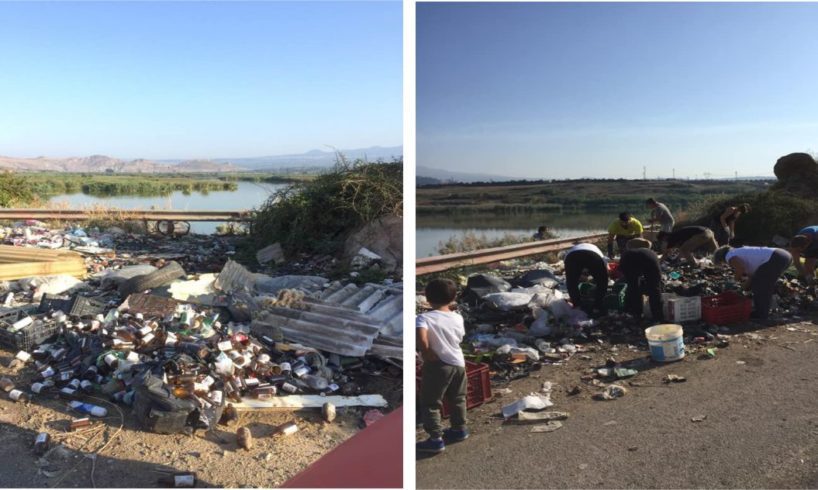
<point>430,445</point>
<point>455,435</point>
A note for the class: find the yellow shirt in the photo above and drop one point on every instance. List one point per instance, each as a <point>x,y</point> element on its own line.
<point>632,229</point>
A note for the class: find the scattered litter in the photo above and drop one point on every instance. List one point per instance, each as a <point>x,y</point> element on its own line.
<point>550,426</point>
<point>699,418</point>
<point>611,392</point>
<point>533,401</point>
<point>674,378</point>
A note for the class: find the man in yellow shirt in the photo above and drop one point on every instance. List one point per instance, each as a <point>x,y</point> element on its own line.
<point>625,228</point>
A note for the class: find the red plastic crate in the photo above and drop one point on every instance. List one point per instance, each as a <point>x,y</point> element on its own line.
<point>478,389</point>
<point>726,308</point>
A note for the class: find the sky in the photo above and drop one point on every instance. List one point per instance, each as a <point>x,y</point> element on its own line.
<point>199,79</point>
<point>612,90</point>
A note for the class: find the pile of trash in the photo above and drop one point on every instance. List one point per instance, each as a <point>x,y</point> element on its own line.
<point>524,320</point>
<point>187,350</point>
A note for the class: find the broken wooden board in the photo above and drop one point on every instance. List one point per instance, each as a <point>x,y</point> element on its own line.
<point>21,262</point>
<point>298,402</point>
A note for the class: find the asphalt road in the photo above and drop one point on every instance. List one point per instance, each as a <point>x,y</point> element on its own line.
<point>759,395</point>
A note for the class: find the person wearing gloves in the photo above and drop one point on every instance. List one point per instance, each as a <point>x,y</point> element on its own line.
<point>587,257</point>
<point>805,244</point>
<point>727,220</point>
<point>757,269</point>
<point>688,239</point>
<point>623,230</point>
<point>640,266</point>
<point>660,213</point>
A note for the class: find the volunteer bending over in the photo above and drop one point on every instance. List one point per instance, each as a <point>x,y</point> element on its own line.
<point>757,269</point>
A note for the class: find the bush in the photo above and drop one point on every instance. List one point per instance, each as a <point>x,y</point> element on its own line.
<point>469,241</point>
<point>14,191</point>
<point>772,213</point>
<point>318,215</point>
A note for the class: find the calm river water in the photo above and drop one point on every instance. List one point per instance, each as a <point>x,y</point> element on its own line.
<point>432,230</point>
<point>248,196</point>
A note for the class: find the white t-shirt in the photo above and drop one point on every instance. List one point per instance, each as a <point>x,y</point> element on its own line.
<point>445,331</point>
<point>751,257</point>
<point>584,246</point>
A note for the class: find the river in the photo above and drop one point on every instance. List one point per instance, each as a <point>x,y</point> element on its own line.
<point>432,230</point>
<point>249,195</point>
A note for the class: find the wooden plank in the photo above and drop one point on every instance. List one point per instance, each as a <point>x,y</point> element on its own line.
<point>298,402</point>
<point>32,269</point>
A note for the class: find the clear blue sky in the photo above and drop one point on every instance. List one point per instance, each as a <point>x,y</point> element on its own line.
<point>185,80</point>
<point>601,90</point>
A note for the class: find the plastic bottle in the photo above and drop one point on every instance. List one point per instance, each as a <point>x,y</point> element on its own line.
<point>89,409</point>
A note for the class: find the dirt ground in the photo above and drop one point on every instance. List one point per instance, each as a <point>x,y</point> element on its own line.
<point>134,458</point>
<point>756,396</point>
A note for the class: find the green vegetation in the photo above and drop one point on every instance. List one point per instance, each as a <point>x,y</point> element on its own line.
<point>13,190</point>
<point>571,195</point>
<point>46,185</point>
<point>318,215</point>
<point>783,209</point>
<point>468,242</point>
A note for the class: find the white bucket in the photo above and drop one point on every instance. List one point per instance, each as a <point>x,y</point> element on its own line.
<point>666,342</point>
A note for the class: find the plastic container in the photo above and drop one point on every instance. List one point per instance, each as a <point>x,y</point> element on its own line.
<point>681,309</point>
<point>478,390</point>
<point>666,342</point>
<point>29,336</point>
<point>614,300</point>
<point>726,308</point>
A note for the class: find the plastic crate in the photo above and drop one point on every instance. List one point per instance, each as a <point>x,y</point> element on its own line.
<point>78,306</point>
<point>27,337</point>
<point>726,308</point>
<point>478,389</point>
<point>614,300</point>
<point>682,309</point>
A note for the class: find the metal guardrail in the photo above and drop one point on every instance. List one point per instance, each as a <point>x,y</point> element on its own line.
<point>125,214</point>
<point>439,263</point>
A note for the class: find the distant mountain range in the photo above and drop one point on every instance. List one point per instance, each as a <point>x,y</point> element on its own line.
<point>428,175</point>
<point>102,163</point>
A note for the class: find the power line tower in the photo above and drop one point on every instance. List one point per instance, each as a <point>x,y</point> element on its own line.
<point>674,174</point>
<point>644,173</point>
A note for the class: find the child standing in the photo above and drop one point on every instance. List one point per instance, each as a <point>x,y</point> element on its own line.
<point>439,333</point>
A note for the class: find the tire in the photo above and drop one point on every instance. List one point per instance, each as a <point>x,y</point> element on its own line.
<point>163,276</point>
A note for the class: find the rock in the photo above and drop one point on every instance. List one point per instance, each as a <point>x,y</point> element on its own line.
<point>383,237</point>
<point>364,258</point>
<point>272,253</point>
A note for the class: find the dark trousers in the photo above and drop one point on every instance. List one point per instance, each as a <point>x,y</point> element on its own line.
<point>622,243</point>
<point>441,381</point>
<point>581,260</point>
<point>644,277</point>
<point>763,282</point>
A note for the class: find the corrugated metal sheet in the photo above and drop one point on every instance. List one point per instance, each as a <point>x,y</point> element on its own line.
<point>321,326</point>
<point>382,303</point>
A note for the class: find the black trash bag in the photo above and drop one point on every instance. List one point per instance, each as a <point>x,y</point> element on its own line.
<point>479,285</point>
<point>539,277</point>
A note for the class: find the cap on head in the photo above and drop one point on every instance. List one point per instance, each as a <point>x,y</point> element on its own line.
<point>720,255</point>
